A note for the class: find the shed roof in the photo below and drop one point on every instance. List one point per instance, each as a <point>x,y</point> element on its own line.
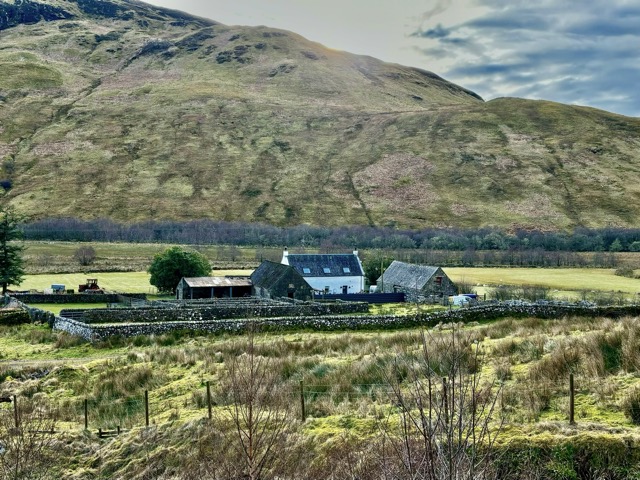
<point>269,273</point>
<point>338,265</point>
<point>198,282</point>
<point>408,275</point>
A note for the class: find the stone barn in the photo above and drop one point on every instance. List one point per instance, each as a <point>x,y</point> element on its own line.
<point>419,283</point>
<point>193,288</point>
<point>275,280</point>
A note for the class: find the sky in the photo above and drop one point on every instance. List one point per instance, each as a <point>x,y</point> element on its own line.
<point>569,51</point>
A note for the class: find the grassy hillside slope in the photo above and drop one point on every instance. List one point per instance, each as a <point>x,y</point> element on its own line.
<point>122,110</point>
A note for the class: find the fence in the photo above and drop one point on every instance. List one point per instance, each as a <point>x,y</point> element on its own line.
<point>116,416</point>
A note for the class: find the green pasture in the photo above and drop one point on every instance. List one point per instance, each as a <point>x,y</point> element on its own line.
<point>564,281</point>
<point>122,282</point>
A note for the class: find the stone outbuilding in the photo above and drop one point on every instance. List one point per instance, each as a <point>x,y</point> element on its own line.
<point>275,280</point>
<point>419,283</point>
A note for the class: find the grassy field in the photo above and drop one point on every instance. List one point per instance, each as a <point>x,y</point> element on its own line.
<point>567,282</point>
<point>122,282</point>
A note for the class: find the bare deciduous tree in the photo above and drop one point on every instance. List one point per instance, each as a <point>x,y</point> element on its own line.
<point>256,414</point>
<point>85,255</point>
<point>446,422</point>
<point>26,450</point>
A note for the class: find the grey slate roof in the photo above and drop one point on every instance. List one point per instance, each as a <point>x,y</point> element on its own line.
<point>336,263</point>
<point>196,282</point>
<point>268,274</point>
<point>408,275</point>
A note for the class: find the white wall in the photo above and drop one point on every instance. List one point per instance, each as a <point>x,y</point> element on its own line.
<point>335,284</point>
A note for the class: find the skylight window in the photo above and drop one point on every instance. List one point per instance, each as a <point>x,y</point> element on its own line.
<point>306,270</point>
<point>346,270</point>
<point>326,270</point>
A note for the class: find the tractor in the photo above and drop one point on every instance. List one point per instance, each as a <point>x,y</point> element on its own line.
<point>90,287</point>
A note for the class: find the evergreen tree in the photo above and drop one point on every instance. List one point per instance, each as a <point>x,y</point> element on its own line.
<point>174,263</point>
<point>11,262</point>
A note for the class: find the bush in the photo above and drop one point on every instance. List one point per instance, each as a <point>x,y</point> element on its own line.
<point>174,263</point>
<point>625,272</point>
<point>631,405</point>
<point>14,317</point>
<point>85,255</point>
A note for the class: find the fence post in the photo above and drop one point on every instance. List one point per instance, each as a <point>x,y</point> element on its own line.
<point>302,407</point>
<point>572,398</point>
<point>146,407</point>
<point>209,399</point>
<point>445,400</point>
<point>16,417</point>
<point>86,414</point>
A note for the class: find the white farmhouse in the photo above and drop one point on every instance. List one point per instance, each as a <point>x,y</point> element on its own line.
<point>330,273</point>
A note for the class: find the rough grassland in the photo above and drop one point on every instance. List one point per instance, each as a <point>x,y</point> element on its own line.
<point>140,116</point>
<point>345,375</point>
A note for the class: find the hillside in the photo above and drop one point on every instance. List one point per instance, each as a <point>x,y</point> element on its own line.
<point>123,110</point>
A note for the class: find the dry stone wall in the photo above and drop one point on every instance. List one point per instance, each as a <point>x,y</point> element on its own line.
<point>192,313</point>
<point>345,322</point>
<point>30,298</point>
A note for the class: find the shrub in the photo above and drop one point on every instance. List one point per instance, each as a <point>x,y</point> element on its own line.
<point>85,255</point>
<point>14,317</point>
<point>631,405</point>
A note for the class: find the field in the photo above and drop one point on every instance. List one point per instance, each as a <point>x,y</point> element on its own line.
<point>122,282</point>
<point>565,282</point>
<point>349,386</point>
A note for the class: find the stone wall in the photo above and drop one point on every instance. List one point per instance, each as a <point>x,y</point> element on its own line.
<point>190,313</point>
<point>29,298</point>
<point>346,322</point>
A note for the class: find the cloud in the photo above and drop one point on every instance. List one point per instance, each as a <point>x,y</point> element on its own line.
<point>548,50</point>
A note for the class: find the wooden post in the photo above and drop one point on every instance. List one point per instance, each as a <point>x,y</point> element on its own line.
<point>86,414</point>
<point>146,407</point>
<point>99,432</point>
<point>445,400</point>
<point>16,417</point>
<point>302,407</point>
<point>572,398</point>
<point>118,429</point>
<point>209,399</point>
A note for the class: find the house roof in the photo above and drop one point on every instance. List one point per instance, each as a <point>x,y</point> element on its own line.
<point>203,282</point>
<point>269,273</point>
<point>329,265</point>
<point>408,275</point>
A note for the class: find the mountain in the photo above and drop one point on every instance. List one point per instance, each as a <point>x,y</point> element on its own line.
<point>124,110</point>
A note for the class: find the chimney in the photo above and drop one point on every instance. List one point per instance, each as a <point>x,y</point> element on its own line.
<point>285,257</point>
<point>355,251</point>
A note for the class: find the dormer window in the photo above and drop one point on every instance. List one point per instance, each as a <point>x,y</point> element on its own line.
<point>306,270</point>
<point>326,270</point>
<point>346,270</point>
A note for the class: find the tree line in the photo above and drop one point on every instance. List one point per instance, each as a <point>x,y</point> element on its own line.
<point>199,232</point>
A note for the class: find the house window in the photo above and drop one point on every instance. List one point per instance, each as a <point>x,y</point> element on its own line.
<point>326,270</point>
<point>306,270</point>
<point>346,270</point>
<point>438,280</point>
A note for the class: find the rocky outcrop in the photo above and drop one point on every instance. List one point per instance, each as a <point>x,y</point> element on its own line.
<point>27,12</point>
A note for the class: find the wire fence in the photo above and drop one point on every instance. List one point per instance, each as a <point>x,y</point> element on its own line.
<point>115,415</point>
